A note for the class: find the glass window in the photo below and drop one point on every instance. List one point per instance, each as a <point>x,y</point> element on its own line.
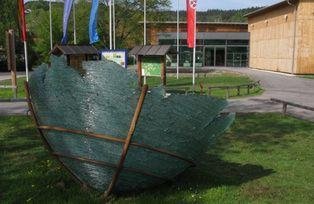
<point>186,55</point>
<point>171,60</point>
<point>198,59</point>
<point>183,42</point>
<point>237,56</point>
<point>237,42</point>
<point>199,42</point>
<point>167,42</point>
<point>215,42</point>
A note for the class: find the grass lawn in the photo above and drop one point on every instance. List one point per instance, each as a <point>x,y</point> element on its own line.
<point>8,93</point>
<point>264,158</point>
<point>211,79</point>
<point>216,79</point>
<point>310,76</point>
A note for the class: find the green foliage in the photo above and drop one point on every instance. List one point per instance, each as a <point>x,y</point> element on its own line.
<point>264,158</point>
<point>8,19</point>
<point>128,14</point>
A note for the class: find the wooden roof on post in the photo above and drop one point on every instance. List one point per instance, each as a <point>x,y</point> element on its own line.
<point>74,50</point>
<point>150,50</point>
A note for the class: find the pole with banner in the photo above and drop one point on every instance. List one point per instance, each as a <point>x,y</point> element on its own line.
<point>191,29</point>
<point>22,22</point>
<point>66,14</point>
<point>114,24</point>
<point>144,22</point>
<point>110,24</point>
<point>144,34</point>
<point>178,37</point>
<point>50,24</point>
<point>92,30</point>
<point>74,23</point>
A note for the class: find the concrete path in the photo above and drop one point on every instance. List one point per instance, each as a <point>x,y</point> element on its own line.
<point>7,75</point>
<point>276,85</point>
<point>12,108</point>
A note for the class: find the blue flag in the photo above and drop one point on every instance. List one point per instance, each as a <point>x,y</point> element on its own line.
<point>66,14</point>
<point>93,35</point>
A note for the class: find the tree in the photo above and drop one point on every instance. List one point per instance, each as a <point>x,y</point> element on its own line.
<point>8,19</point>
<point>128,30</point>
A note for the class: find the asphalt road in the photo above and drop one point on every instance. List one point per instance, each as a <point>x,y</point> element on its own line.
<point>276,85</point>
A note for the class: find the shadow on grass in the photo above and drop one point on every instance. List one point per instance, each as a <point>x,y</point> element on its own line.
<point>210,173</point>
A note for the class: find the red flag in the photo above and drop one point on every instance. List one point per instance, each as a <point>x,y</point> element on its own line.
<point>22,20</point>
<point>191,24</point>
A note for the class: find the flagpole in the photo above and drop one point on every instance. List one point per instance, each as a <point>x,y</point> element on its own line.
<point>144,22</point>
<point>110,25</point>
<point>178,37</point>
<point>194,47</point>
<point>114,24</point>
<point>74,23</point>
<point>26,60</point>
<point>50,24</point>
<point>145,78</point>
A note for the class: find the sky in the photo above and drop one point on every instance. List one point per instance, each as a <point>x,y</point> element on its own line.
<point>224,4</point>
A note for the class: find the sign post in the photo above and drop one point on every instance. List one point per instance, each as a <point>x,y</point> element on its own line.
<point>11,60</point>
<point>117,56</point>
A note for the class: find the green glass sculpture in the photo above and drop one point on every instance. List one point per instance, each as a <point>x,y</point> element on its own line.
<point>85,120</point>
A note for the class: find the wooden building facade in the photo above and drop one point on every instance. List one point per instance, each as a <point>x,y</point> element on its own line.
<point>155,30</point>
<point>282,37</point>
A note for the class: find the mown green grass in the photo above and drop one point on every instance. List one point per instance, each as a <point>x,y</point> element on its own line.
<point>222,79</point>
<point>207,80</point>
<point>8,93</point>
<point>310,76</point>
<point>264,158</point>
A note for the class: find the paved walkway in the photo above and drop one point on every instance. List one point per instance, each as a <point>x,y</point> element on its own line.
<point>7,75</point>
<point>12,108</point>
<point>276,85</point>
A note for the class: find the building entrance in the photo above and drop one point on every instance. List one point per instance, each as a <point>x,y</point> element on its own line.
<point>214,56</point>
<point>209,53</point>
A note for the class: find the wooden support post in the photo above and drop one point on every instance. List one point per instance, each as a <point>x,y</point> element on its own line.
<point>284,108</point>
<point>248,89</point>
<point>127,140</point>
<point>209,91</point>
<point>41,133</point>
<point>238,88</point>
<point>228,92</point>
<point>139,70</point>
<point>201,89</point>
<point>163,71</point>
<point>11,59</point>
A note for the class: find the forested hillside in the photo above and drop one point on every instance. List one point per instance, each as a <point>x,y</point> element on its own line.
<point>214,15</point>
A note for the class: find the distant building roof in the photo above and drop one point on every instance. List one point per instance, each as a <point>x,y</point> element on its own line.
<point>199,22</point>
<point>270,8</point>
<point>150,50</point>
<point>74,50</point>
